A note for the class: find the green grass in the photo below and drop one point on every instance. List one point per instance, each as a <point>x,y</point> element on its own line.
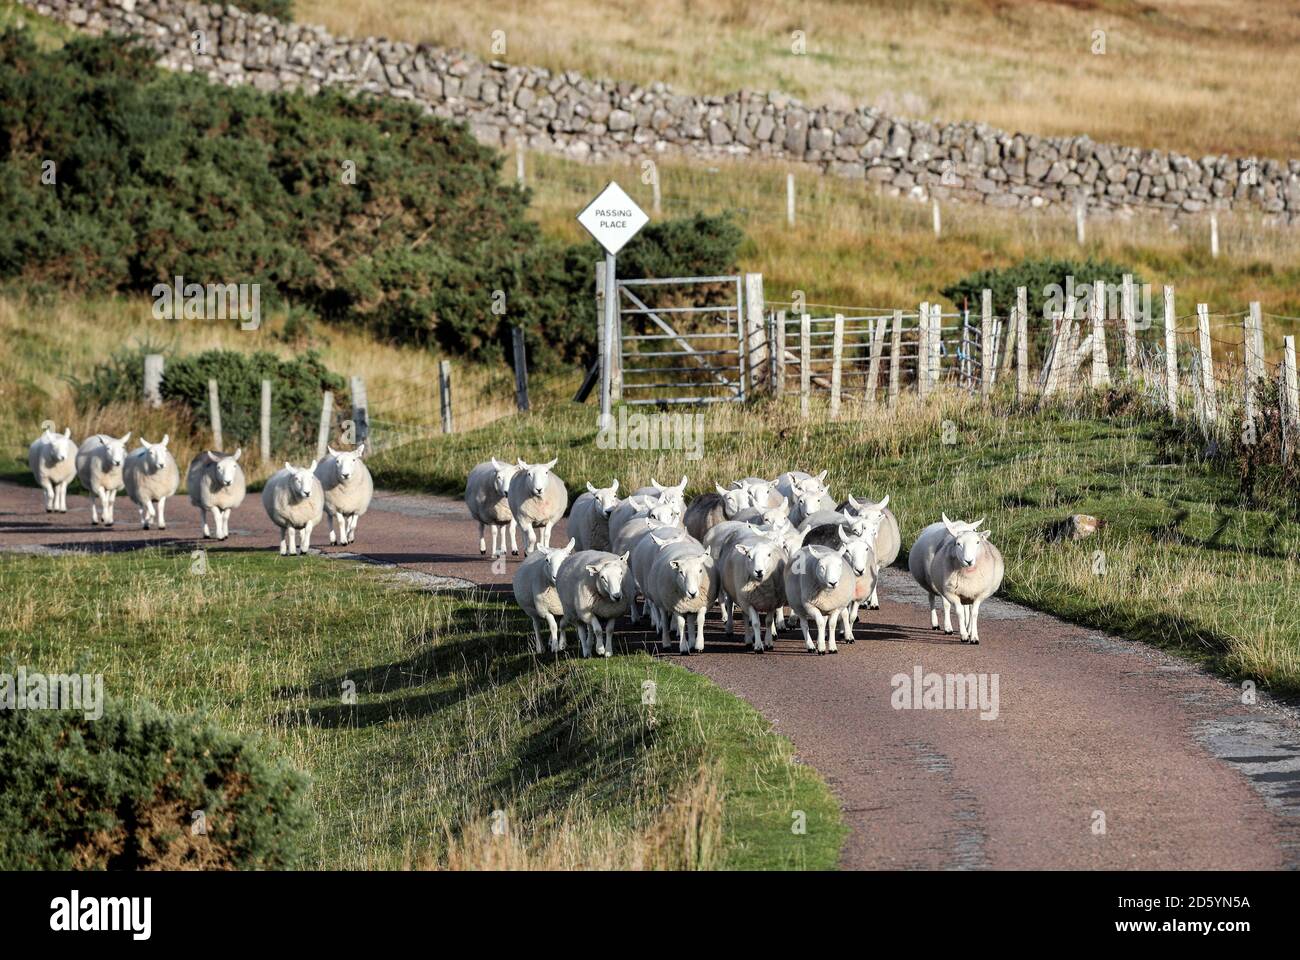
<point>453,719</point>
<point>1185,562</point>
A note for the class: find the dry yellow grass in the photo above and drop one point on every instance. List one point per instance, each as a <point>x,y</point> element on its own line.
<point>1200,76</point>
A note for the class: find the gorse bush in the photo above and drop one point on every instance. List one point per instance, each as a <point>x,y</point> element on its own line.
<point>296,387</point>
<point>357,210</point>
<point>140,790</point>
<point>1037,276</point>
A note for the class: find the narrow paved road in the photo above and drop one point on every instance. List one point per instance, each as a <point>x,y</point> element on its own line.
<point>1102,754</point>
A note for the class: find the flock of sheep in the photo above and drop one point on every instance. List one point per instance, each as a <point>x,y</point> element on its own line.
<point>758,546</point>
<point>295,498</point>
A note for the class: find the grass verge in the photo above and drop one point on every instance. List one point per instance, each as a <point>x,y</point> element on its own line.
<point>461,749</point>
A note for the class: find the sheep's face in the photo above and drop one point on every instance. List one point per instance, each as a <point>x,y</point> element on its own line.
<point>57,446</point>
<point>155,454</point>
<point>855,552</point>
<point>501,480</point>
<point>556,556</point>
<point>815,484</point>
<point>865,527</point>
<point>609,577</point>
<point>665,513</point>
<point>690,576</point>
<point>733,501</point>
<point>808,502</point>
<point>761,558</point>
<point>227,470</point>
<point>830,570</point>
<point>968,546</point>
<point>115,451</point>
<point>301,480</point>
<point>674,494</point>
<point>539,474</point>
<point>606,497</point>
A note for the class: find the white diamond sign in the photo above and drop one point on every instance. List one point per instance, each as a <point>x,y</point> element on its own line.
<point>613,218</point>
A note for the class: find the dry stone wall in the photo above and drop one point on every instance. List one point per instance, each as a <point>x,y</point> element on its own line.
<point>582,118</point>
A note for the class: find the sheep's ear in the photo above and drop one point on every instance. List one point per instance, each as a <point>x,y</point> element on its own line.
<point>126,438</point>
<point>681,485</point>
<point>735,485</point>
<point>975,525</point>
<point>949,524</point>
<point>332,451</point>
<point>593,569</point>
<point>984,535</point>
<point>311,468</point>
<point>883,503</point>
<point>853,503</point>
<point>239,452</point>
<point>785,504</point>
<point>287,465</point>
<point>67,433</point>
<point>614,487</point>
<point>551,465</point>
<point>675,564</point>
<point>520,463</point>
<point>719,488</point>
<point>821,477</point>
<point>568,547</point>
<point>212,456</point>
<point>360,451</point>
<point>591,488</point>
<point>744,549</point>
<point>844,538</point>
<point>624,555</point>
<point>163,441</point>
<point>496,464</point>
<point>655,483</point>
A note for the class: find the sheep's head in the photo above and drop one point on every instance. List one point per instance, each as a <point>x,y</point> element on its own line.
<point>505,472</point>
<point>855,551</point>
<point>556,556</point>
<point>808,502</point>
<point>155,454</point>
<point>115,450</point>
<point>539,474</point>
<point>677,536</point>
<point>674,494</point>
<point>815,484</point>
<point>226,468</point>
<point>733,500</point>
<point>607,497</point>
<point>609,576</point>
<point>762,558</point>
<point>301,479</point>
<point>58,446</point>
<point>345,461</point>
<point>829,569</point>
<point>690,575</point>
<point>664,512</point>
<point>967,543</point>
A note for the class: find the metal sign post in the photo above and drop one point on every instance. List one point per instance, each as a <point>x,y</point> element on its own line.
<point>612,218</point>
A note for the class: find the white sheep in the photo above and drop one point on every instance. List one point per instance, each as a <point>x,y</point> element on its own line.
<point>888,538</point>
<point>52,458</point>
<point>589,516</point>
<point>536,593</point>
<point>818,586</point>
<point>592,589</point>
<point>99,468</point>
<point>753,577</point>
<point>761,493</point>
<point>538,499</point>
<point>348,487</point>
<point>216,485</point>
<point>150,476</point>
<point>641,557</point>
<point>805,503</point>
<point>795,481</point>
<point>294,501</point>
<point>487,495</point>
<point>657,491</point>
<point>627,520</point>
<point>957,564</point>
<point>682,581</point>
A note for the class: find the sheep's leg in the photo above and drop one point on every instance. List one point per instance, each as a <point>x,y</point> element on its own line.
<point>947,614</point>
<point>729,613</point>
<point>699,630</point>
<point>304,543</point>
<point>290,536</point>
<point>537,635</point>
<point>780,618</point>
<point>771,632</point>
<point>47,490</point>
<point>162,516</point>
<point>482,542</point>
<point>609,636</point>
<point>546,534</point>
<point>683,644</point>
<point>96,498</point>
<point>147,514</point>
<point>514,543</point>
<point>555,643</point>
<point>216,522</point>
<point>352,527</point>
<point>873,602</point>
<point>756,625</point>
<point>934,612</point>
<point>821,631</point>
<point>110,501</point>
<point>585,637</point>
<point>807,637</point>
<point>530,544</point>
<point>973,618</point>
<point>559,628</point>
<point>664,641</point>
<point>599,631</point>
<point>61,497</point>
<point>225,523</point>
<point>342,522</point>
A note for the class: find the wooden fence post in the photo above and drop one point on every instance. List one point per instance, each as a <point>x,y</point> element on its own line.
<point>778,367</point>
<point>789,199</point>
<point>1210,409</point>
<point>521,368</point>
<point>1253,354</point>
<point>923,350</point>
<point>153,374</point>
<point>656,198</point>
<point>323,434</point>
<point>444,394</point>
<point>877,348</point>
<point>988,359</point>
<point>519,160</point>
<point>1100,362</point>
<point>938,223</point>
<point>360,412</point>
<point>805,361</point>
<point>1290,396</point>
<point>1214,235</point>
<point>266,421</point>
<point>1079,216</point>
<point>1130,330</point>
<point>214,413</point>
<point>936,344</point>
<point>895,348</point>
<point>1171,353</point>
<point>837,362</point>
<point>755,342</point>
<point>1022,343</point>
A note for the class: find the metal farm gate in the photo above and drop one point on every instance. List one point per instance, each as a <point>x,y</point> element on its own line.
<point>681,340</point>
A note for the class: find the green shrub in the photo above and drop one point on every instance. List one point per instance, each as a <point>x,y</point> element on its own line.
<point>1035,275</point>
<point>280,9</point>
<point>138,790</point>
<point>296,387</point>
